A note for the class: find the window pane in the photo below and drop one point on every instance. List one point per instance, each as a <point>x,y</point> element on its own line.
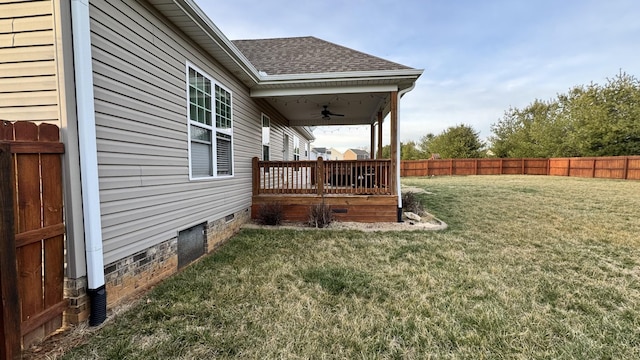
<point>223,148</point>
<point>265,152</point>
<point>266,135</point>
<point>201,164</point>
<point>193,112</point>
<point>198,133</point>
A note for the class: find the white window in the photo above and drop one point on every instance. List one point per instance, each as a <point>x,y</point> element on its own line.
<point>266,137</point>
<point>210,127</point>
<point>306,151</point>
<point>296,148</point>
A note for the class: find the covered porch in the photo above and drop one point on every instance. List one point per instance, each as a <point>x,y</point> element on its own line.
<point>314,83</point>
<point>356,190</point>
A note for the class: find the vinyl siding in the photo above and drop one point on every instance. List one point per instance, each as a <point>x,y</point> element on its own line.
<point>28,84</point>
<point>139,63</point>
<point>279,127</point>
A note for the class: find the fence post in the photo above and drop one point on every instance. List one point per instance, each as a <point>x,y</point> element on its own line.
<point>569,167</point>
<point>548,169</point>
<point>10,305</point>
<point>476,171</point>
<point>523,173</point>
<point>320,175</point>
<point>626,168</point>
<point>427,169</point>
<point>451,167</point>
<point>593,168</point>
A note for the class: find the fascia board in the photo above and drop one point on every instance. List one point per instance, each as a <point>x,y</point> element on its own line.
<point>322,90</point>
<point>191,9</point>
<point>354,75</point>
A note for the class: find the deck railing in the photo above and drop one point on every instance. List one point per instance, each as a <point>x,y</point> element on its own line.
<point>349,177</point>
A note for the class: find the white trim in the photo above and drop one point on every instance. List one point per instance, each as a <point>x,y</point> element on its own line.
<point>322,90</point>
<point>359,75</point>
<point>214,130</point>
<point>87,141</point>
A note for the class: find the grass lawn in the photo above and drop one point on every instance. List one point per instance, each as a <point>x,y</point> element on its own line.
<point>530,267</point>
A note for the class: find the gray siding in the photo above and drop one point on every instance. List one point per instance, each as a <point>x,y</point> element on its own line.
<point>28,85</point>
<point>146,197</point>
<point>280,127</point>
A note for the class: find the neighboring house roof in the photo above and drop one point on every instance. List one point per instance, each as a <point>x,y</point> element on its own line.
<point>359,151</point>
<point>309,55</point>
<point>319,150</point>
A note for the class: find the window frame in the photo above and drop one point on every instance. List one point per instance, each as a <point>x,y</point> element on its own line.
<point>296,148</point>
<point>214,131</point>
<point>266,117</point>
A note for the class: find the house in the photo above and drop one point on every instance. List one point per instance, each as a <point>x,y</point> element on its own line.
<point>318,152</point>
<point>335,154</point>
<point>161,117</point>
<point>356,154</point>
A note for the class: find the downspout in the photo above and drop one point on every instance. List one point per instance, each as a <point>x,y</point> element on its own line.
<point>400,94</point>
<point>83,70</point>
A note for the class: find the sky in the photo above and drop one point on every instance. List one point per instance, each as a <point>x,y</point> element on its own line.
<point>479,57</point>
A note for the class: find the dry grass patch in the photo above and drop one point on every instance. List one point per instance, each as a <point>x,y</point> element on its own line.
<point>531,267</point>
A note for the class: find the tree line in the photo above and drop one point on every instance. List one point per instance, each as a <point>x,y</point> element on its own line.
<point>589,120</point>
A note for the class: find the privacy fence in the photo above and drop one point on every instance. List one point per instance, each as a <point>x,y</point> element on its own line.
<point>617,167</point>
<point>31,234</point>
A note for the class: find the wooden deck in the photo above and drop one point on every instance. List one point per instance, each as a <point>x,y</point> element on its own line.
<point>358,208</point>
<point>358,190</point>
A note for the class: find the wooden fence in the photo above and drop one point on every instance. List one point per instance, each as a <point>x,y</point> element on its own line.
<point>32,234</point>
<point>617,167</point>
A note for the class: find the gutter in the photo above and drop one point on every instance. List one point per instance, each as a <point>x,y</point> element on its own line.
<point>400,94</point>
<point>353,75</point>
<point>83,71</point>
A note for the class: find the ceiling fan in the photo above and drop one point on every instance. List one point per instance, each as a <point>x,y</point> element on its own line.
<point>327,114</point>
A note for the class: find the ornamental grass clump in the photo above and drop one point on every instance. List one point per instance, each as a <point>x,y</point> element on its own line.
<point>411,202</point>
<point>270,214</point>
<point>320,215</point>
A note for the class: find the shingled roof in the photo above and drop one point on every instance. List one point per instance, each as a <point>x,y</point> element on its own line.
<point>307,55</point>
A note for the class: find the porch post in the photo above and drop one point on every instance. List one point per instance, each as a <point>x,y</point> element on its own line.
<point>395,151</point>
<point>380,120</point>
<point>372,149</point>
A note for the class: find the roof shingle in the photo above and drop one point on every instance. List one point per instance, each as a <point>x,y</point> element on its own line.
<point>307,55</point>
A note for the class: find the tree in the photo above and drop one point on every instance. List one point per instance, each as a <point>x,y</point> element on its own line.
<point>591,120</point>
<point>460,141</point>
<point>424,144</point>
<point>408,151</point>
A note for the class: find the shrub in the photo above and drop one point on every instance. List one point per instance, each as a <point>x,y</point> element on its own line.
<point>320,215</point>
<point>411,202</point>
<point>270,214</point>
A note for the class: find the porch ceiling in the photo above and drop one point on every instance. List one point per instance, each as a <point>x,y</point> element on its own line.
<point>305,109</point>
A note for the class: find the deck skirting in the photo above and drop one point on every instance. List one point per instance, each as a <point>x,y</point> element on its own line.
<point>357,208</point>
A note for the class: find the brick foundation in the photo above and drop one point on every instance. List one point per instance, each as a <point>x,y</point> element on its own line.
<point>137,272</point>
